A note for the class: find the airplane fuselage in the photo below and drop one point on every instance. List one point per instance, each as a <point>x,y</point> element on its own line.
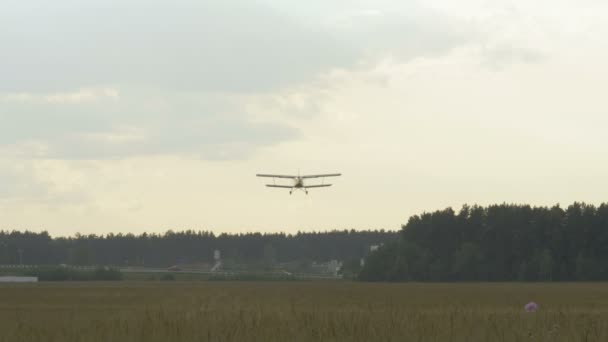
<point>298,183</point>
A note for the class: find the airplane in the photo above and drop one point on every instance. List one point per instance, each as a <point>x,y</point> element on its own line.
<point>298,181</point>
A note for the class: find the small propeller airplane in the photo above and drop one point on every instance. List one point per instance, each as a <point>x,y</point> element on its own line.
<point>298,181</point>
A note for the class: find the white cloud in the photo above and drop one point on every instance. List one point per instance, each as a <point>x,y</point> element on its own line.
<point>214,46</point>
<point>76,97</point>
<point>184,73</point>
<point>31,182</point>
<point>96,125</point>
<point>83,95</point>
<point>227,46</point>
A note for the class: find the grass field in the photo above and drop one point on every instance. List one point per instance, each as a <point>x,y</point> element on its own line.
<point>301,311</point>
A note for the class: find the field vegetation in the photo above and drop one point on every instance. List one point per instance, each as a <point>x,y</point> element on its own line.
<point>302,311</point>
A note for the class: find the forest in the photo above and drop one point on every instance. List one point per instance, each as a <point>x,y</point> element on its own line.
<point>497,243</point>
<point>503,242</point>
<point>170,248</point>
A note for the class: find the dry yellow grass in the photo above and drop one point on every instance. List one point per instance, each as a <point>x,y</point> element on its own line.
<point>306,311</point>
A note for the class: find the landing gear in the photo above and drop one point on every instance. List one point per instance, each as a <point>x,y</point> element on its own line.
<point>290,191</point>
<point>306,191</point>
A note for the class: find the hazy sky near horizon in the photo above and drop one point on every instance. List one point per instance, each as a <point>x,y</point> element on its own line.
<point>132,116</point>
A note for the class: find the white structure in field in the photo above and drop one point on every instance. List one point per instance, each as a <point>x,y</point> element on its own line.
<point>218,261</point>
<point>374,248</point>
<point>10,279</point>
<point>334,267</point>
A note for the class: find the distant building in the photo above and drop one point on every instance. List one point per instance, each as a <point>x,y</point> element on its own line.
<point>10,279</point>
<point>374,248</point>
<point>218,261</point>
<point>174,268</point>
<point>332,267</point>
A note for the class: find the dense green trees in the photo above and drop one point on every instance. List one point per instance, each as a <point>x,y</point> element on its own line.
<point>495,243</point>
<point>498,243</point>
<point>186,247</point>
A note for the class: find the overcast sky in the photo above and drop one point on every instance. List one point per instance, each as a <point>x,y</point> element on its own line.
<point>132,116</point>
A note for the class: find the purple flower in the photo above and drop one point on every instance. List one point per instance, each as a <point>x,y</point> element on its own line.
<point>531,307</point>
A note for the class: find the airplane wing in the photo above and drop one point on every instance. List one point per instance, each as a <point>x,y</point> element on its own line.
<point>317,186</point>
<point>275,176</point>
<point>279,186</point>
<point>321,176</point>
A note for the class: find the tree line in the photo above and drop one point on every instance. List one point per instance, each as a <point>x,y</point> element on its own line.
<point>170,248</point>
<point>497,243</point>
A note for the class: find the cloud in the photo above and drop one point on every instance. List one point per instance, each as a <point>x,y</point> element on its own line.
<point>28,181</point>
<point>203,45</point>
<point>83,95</point>
<point>117,79</point>
<point>404,32</point>
<point>199,125</point>
<point>227,46</point>
<point>29,188</point>
<point>17,182</point>
<point>79,96</point>
<point>497,57</point>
